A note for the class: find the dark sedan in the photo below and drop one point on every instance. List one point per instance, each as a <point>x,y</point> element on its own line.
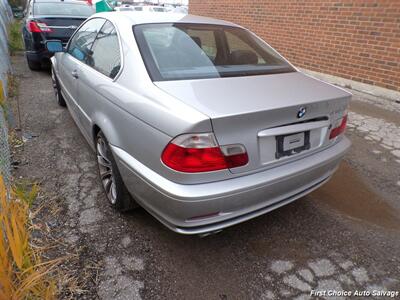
<point>49,20</point>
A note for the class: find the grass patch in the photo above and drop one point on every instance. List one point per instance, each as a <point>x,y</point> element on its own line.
<point>22,273</point>
<point>26,192</point>
<point>12,85</point>
<point>15,42</point>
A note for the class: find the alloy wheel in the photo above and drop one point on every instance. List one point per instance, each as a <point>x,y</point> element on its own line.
<point>106,170</point>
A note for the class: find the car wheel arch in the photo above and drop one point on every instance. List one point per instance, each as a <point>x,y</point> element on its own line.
<point>53,62</point>
<point>95,130</point>
<point>101,123</point>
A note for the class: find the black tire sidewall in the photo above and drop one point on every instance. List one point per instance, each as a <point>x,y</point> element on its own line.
<point>33,65</point>
<point>60,99</point>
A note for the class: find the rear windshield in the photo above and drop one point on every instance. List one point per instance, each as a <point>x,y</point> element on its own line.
<point>179,51</point>
<point>62,9</point>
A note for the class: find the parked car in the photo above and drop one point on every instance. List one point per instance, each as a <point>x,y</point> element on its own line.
<point>149,8</point>
<point>169,8</point>
<point>199,120</point>
<point>125,7</point>
<point>48,20</point>
<point>181,10</point>
<point>18,12</point>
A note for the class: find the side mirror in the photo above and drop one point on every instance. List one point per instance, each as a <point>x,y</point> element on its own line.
<point>54,46</point>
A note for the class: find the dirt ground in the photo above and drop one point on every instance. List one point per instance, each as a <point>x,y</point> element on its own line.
<point>344,236</point>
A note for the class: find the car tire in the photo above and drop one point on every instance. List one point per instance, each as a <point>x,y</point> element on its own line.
<point>57,90</point>
<point>110,177</point>
<point>33,65</point>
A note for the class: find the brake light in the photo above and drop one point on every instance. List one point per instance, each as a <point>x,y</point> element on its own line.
<point>235,155</point>
<point>340,129</point>
<point>34,26</point>
<point>193,153</point>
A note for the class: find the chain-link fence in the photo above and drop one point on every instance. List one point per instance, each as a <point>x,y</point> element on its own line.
<point>4,150</point>
<point>5,66</point>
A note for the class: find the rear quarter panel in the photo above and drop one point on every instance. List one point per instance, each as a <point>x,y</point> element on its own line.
<point>137,123</point>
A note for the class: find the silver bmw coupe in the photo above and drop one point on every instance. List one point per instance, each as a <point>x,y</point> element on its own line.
<point>197,120</point>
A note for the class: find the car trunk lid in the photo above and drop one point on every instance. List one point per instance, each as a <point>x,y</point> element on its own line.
<point>271,115</point>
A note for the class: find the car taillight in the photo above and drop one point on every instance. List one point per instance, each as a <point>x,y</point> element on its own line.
<point>193,153</point>
<point>340,129</point>
<point>34,26</point>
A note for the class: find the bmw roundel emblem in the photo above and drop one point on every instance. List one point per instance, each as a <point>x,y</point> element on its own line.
<point>302,112</point>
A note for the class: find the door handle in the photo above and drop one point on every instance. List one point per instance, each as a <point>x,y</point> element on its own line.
<point>74,74</point>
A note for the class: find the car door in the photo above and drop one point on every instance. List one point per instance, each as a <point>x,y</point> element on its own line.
<point>77,54</point>
<point>97,76</point>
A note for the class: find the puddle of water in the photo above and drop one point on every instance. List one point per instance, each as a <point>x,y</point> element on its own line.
<point>348,194</point>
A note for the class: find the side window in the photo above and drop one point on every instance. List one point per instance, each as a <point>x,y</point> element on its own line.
<point>82,42</point>
<point>205,39</point>
<point>240,49</point>
<point>106,52</point>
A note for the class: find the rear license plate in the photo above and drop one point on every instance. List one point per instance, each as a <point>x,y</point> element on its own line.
<point>290,144</point>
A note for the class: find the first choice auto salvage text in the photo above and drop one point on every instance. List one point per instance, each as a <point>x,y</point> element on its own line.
<point>356,293</point>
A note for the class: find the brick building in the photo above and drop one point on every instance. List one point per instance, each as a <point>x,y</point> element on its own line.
<point>353,39</point>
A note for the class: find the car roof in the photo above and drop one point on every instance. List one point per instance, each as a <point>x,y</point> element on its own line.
<point>136,18</point>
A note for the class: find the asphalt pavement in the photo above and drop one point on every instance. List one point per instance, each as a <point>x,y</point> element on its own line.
<point>343,237</point>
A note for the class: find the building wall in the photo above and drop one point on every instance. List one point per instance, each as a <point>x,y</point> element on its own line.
<point>354,39</point>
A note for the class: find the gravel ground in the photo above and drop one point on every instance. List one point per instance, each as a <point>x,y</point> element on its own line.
<point>344,236</point>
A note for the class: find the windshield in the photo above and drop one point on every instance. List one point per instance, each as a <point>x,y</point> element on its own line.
<point>189,51</point>
<point>62,9</point>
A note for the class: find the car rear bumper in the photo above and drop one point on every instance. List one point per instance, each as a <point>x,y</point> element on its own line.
<point>42,56</point>
<point>234,200</point>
